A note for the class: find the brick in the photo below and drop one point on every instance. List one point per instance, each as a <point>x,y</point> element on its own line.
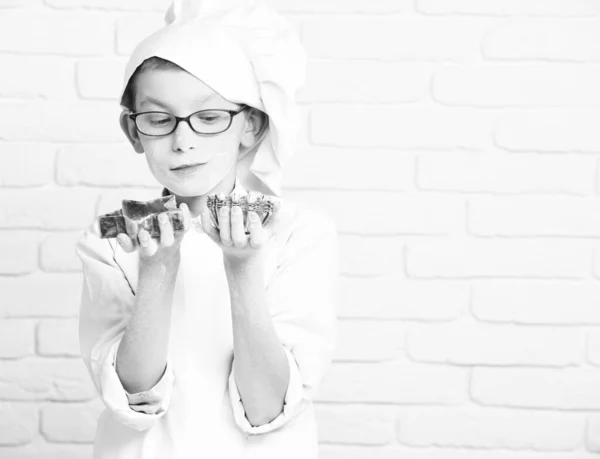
<point>74,34</point>
<point>544,85</point>
<point>355,424</point>
<point>395,452</point>
<point>563,8</point>
<point>352,81</point>
<point>370,256</point>
<point>537,302</point>
<point>593,434</point>
<point>319,168</point>
<point>16,160</point>
<point>563,389</point>
<point>596,264</point>
<point>333,6</point>
<point>490,429</point>
<point>19,3</point>
<point>43,450</point>
<point>129,5</point>
<point>394,383</point>
<point>46,379</point>
<point>41,295</point>
<point>100,78</point>
<point>58,337</point>
<point>369,213</point>
<point>399,127</point>
<point>70,423</point>
<point>385,340</point>
<point>17,338</point>
<point>57,253</point>
<point>18,423</point>
<point>391,296</point>
<point>99,165</point>
<point>131,30</point>
<point>534,216</point>
<point>460,258</point>
<point>505,173</point>
<point>548,131</point>
<point>111,200</point>
<point>544,39</point>
<point>60,121</point>
<point>413,38</point>
<point>61,208</point>
<point>474,343</point>
<point>19,251</point>
<point>593,347</point>
<point>30,77</point>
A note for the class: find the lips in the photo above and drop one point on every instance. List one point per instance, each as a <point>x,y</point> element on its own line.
<point>185,166</point>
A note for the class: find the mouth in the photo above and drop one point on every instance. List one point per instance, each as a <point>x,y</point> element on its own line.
<point>186,167</point>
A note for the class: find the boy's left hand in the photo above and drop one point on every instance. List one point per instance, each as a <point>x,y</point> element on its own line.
<point>238,246</point>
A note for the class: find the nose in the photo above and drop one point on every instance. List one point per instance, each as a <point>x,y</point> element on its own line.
<point>183,137</point>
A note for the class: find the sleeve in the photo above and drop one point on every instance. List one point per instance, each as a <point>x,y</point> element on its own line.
<point>303,295</point>
<point>107,301</point>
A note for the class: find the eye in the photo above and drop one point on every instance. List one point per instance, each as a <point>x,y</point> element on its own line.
<point>211,117</point>
<point>158,119</point>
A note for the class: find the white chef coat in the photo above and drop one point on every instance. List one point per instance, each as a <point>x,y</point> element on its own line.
<point>195,410</point>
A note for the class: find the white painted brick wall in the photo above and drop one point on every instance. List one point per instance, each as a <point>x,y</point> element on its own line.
<point>456,144</point>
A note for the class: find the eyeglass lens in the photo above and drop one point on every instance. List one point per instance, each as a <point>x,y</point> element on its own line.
<point>205,122</point>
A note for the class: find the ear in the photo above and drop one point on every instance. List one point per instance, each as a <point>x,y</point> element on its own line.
<point>130,131</point>
<point>254,130</point>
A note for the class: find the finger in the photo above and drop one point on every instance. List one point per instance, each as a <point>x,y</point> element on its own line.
<point>187,217</point>
<point>238,233</point>
<point>166,231</point>
<point>257,233</point>
<point>125,242</point>
<point>146,244</point>
<point>132,229</point>
<point>225,226</point>
<point>207,225</point>
<point>275,218</point>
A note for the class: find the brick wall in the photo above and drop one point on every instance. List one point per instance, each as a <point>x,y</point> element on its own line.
<point>456,143</point>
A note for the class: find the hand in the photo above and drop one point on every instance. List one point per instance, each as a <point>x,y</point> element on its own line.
<point>231,237</point>
<point>151,250</point>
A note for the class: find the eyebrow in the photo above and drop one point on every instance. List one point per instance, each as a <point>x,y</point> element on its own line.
<point>149,99</point>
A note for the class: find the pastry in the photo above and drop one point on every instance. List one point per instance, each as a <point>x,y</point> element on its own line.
<point>263,205</point>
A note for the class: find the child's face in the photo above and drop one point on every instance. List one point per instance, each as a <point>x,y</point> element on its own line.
<point>181,94</point>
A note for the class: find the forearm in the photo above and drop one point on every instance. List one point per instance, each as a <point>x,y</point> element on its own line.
<point>261,366</point>
<point>142,354</point>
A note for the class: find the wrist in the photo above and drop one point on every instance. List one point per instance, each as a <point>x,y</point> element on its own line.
<point>241,266</point>
<point>159,266</point>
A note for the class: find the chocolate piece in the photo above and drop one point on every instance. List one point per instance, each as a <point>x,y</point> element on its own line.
<point>144,213</point>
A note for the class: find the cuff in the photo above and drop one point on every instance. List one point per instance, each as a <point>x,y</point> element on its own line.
<point>141,410</point>
<point>291,406</point>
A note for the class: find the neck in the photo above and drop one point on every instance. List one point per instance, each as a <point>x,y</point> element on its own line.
<point>196,203</point>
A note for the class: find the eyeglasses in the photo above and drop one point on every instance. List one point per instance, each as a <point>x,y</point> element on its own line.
<point>203,122</point>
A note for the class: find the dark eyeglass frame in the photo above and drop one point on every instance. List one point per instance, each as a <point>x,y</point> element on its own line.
<point>187,119</point>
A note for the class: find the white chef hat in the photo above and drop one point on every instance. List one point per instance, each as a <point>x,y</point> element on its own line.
<point>248,54</point>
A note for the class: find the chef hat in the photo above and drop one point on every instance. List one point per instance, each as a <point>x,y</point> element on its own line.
<point>248,54</point>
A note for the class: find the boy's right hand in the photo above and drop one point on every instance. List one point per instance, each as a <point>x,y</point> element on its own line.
<point>152,250</point>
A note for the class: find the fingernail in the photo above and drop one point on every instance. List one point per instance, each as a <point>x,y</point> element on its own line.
<point>236,210</point>
<point>162,218</point>
<point>253,217</point>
